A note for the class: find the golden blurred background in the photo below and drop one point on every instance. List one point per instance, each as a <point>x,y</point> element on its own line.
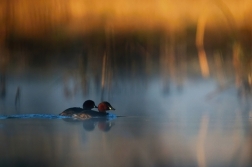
<point>140,37</point>
<point>57,20</point>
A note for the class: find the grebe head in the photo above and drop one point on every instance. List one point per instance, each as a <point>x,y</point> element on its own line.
<point>104,106</point>
<point>89,104</point>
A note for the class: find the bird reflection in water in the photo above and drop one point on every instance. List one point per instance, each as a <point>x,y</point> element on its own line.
<point>103,124</point>
<point>89,124</point>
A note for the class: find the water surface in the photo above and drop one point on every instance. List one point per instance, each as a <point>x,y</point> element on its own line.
<point>174,115</point>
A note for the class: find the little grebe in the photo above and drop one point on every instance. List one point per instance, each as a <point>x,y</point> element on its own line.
<point>102,108</point>
<point>87,105</point>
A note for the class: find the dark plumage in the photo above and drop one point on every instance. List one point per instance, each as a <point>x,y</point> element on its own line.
<point>87,105</point>
<point>86,114</point>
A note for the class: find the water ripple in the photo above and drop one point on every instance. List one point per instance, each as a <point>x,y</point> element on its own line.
<point>43,116</point>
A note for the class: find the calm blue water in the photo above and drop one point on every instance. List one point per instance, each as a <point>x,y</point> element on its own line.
<point>186,120</point>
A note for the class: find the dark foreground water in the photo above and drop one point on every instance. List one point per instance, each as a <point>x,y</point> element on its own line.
<point>172,115</point>
<point>132,141</point>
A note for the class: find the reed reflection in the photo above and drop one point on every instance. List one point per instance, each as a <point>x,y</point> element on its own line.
<point>2,86</point>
